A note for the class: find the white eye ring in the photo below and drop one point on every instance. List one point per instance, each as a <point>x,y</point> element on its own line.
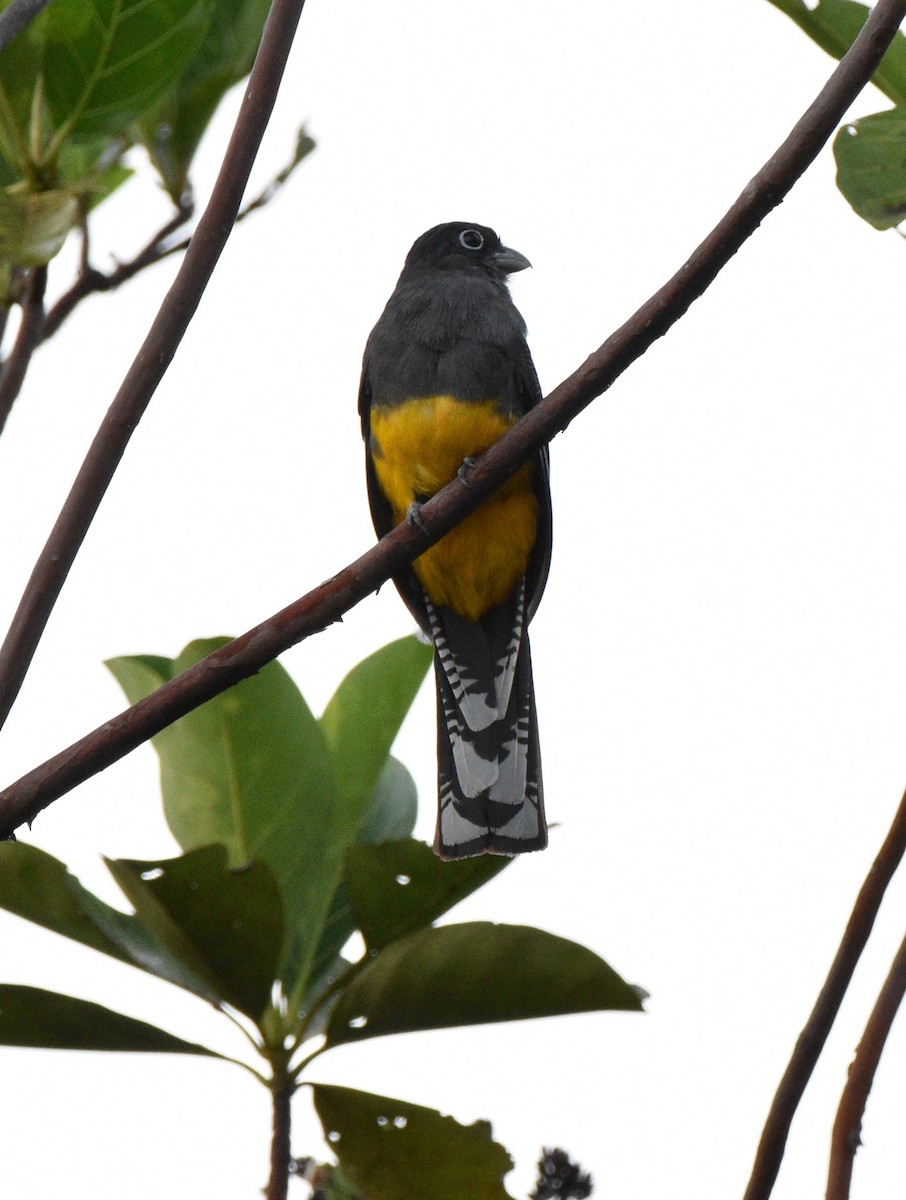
<point>471,239</point>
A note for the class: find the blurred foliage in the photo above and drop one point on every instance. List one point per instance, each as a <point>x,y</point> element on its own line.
<point>296,834</point>
<point>84,83</point>
<point>870,152</point>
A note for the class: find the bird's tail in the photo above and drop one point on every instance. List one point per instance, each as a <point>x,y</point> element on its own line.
<point>491,798</point>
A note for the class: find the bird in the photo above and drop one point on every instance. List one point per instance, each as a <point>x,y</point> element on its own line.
<point>445,372</point>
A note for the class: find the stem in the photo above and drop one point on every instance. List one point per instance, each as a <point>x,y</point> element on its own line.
<point>153,358</point>
<point>337,985</point>
<point>25,798</point>
<point>278,1183</point>
<point>814,1035</point>
<point>12,373</point>
<point>846,1137</point>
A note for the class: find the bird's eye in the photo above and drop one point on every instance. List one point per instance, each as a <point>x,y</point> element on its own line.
<point>471,239</point>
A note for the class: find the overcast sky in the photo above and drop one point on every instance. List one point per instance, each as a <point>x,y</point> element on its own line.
<point>720,655</point>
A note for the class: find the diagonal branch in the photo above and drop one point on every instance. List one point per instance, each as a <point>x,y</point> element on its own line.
<point>91,280</point>
<point>23,800</point>
<point>153,358</point>
<point>846,1137</point>
<point>811,1040</point>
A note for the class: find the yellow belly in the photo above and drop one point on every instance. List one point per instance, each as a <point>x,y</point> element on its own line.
<point>417,448</point>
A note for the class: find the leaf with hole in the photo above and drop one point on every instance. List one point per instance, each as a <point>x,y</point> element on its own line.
<point>401,886</point>
<point>390,814</point>
<point>223,923</point>
<point>392,1150</point>
<point>472,974</point>
<point>871,167</point>
<point>39,888</point>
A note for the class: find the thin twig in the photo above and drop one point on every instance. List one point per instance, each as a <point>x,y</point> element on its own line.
<point>811,1040</point>
<point>304,147</point>
<point>90,280</point>
<point>13,370</point>
<point>153,358</point>
<point>24,799</point>
<point>16,17</point>
<point>846,1137</point>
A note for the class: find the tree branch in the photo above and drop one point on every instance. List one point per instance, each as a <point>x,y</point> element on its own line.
<point>815,1032</point>
<point>153,358</point>
<point>846,1137</point>
<point>12,371</point>
<point>24,799</point>
<point>16,16</point>
<point>90,280</point>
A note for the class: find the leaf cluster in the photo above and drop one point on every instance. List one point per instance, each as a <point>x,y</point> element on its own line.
<point>296,834</point>
<point>83,83</point>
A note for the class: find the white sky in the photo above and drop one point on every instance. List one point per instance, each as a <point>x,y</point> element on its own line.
<point>720,655</point>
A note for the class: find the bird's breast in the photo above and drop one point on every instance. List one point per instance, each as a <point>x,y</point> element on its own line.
<point>417,447</point>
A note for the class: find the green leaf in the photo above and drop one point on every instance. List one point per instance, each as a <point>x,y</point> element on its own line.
<point>363,717</point>
<point>39,888</point>
<point>393,806</point>
<point>173,131</point>
<point>101,66</point>
<point>871,167</point>
<point>224,924</point>
<point>392,1150</point>
<point>401,886</point>
<point>391,814</point>
<point>34,225</point>
<point>834,26</point>
<point>128,933</point>
<point>254,770</point>
<point>250,770</point>
<point>36,886</point>
<point>30,1016</point>
<point>472,974</point>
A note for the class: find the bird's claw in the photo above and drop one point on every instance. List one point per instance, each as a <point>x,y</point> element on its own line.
<point>414,516</point>
<point>464,468</point>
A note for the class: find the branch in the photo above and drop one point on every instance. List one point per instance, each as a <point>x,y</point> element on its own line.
<point>813,1036</point>
<point>16,16</point>
<point>24,799</point>
<point>90,280</point>
<point>153,358</point>
<point>846,1137</point>
<point>12,372</point>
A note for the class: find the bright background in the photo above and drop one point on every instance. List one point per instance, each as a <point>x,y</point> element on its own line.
<point>721,653</point>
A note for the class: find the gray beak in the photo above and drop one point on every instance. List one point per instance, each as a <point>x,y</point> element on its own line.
<point>510,260</point>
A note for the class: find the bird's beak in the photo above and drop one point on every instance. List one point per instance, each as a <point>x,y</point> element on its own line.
<point>510,260</point>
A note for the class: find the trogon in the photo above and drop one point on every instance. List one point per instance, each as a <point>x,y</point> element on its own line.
<point>446,371</point>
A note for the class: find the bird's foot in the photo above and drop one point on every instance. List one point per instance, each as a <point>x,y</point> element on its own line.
<point>465,468</point>
<point>414,516</point>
